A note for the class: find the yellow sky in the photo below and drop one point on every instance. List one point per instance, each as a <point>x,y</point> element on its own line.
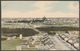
<point>40,9</point>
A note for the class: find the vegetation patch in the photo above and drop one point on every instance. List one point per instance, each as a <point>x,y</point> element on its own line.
<point>10,44</point>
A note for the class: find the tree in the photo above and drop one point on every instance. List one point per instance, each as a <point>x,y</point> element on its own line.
<point>44,18</point>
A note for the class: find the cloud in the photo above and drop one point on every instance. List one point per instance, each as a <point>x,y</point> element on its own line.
<point>74,6</point>
<point>38,14</point>
<point>23,6</point>
<point>41,10</point>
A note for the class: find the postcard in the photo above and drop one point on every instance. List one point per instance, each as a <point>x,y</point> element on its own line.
<point>39,25</point>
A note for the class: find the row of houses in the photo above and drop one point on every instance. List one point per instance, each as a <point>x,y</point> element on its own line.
<point>71,38</point>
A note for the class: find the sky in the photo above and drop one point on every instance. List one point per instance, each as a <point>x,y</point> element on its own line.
<point>30,9</point>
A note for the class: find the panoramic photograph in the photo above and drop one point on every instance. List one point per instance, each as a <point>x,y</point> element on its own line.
<point>39,25</point>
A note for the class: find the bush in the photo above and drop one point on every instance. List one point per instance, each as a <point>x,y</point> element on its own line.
<point>3,39</point>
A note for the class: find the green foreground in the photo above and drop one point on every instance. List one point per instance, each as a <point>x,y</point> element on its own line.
<point>10,44</point>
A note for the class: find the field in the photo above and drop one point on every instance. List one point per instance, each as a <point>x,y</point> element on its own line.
<point>10,44</point>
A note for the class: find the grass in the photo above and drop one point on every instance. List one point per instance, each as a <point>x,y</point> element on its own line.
<point>30,49</point>
<point>10,44</point>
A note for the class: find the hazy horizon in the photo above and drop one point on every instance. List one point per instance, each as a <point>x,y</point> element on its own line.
<point>40,17</point>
